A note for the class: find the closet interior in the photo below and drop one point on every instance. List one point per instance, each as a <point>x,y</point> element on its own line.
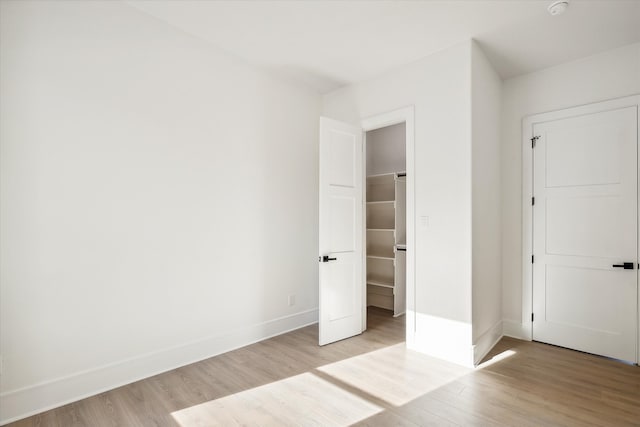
<point>386,218</point>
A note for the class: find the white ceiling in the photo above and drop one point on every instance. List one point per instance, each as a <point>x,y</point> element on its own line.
<point>328,44</point>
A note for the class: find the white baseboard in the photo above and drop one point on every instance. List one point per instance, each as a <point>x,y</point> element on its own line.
<point>513,329</point>
<point>486,341</point>
<point>441,338</point>
<point>27,401</point>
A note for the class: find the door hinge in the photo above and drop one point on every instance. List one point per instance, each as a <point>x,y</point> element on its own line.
<point>532,317</point>
<point>533,201</point>
<point>533,141</point>
<point>532,259</point>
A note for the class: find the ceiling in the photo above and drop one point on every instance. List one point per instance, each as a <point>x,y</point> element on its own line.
<point>328,44</point>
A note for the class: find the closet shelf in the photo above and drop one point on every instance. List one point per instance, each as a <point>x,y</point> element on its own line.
<point>381,229</point>
<point>382,202</point>
<point>380,175</point>
<point>381,257</point>
<point>380,283</point>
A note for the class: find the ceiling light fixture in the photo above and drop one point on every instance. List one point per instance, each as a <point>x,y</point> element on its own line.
<point>558,7</point>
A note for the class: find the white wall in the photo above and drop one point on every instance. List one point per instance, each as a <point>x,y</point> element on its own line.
<point>386,149</point>
<point>604,76</point>
<point>152,191</point>
<point>439,89</point>
<point>486,226</point>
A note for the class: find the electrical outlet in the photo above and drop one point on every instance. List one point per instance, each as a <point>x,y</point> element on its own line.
<point>292,300</point>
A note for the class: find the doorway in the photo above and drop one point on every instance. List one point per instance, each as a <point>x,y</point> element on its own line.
<point>385,224</point>
<point>343,228</point>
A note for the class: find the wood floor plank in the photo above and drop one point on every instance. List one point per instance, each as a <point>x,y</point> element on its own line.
<point>368,380</point>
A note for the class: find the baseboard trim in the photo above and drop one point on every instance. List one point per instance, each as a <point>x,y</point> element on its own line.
<point>487,341</point>
<point>31,400</point>
<point>513,329</point>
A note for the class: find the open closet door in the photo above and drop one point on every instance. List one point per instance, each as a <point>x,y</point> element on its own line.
<point>341,231</point>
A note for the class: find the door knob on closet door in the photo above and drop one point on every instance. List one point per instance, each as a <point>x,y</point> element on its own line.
<point>326,258</point>
<point>625,265</point>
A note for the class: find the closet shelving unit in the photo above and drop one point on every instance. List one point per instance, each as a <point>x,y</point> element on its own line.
<point>386,241</point>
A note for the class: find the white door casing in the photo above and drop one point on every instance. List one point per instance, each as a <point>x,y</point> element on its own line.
<point>340,231</point>
<point>585,182</point>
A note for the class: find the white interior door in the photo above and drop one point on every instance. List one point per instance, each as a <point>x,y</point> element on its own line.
<point>585,225</point>
<point>341,231</point>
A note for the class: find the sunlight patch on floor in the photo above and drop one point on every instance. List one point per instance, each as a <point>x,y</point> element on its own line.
<point>497,358</point>
<point>300,400</point>
<point>395,374</point>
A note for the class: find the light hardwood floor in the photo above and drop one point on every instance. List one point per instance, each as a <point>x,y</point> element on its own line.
<point>369,380</point>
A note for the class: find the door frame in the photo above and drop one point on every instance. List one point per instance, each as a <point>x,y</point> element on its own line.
<point>527,193</point>
<point>404,115</point>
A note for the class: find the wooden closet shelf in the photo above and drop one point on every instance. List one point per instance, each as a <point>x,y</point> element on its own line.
<point>380,283</point>
<point>381,257</point>
<point>382,202</point>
